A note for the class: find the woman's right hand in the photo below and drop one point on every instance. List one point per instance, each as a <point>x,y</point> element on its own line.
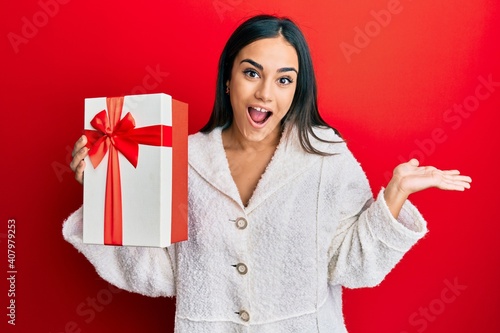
<point>79,153</point>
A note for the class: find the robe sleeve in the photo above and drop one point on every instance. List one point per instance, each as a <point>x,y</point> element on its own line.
<point>143,270</point>
<point>368,241</point>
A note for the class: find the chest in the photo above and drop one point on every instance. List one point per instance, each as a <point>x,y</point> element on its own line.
<point>247,169</point>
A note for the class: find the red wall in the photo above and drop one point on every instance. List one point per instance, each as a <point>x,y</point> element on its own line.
<point>399,79</point>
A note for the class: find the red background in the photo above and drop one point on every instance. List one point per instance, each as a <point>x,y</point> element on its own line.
<point>387,100</point>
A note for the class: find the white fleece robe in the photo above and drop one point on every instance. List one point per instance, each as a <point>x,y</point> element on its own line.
<point>312,227</point>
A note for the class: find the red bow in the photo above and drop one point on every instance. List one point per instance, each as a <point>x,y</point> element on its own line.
<point>115,135</point>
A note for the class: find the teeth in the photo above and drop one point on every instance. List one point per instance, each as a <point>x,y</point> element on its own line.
<point>260,109</point>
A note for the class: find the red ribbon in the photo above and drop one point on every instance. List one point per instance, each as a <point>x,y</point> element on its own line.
<point>115,135</point>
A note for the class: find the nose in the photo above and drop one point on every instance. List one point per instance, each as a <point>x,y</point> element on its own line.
<point>264,91</point>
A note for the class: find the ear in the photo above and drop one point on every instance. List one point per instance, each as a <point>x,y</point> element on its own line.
<point>227,83</point>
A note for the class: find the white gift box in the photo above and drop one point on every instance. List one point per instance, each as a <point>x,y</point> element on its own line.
<point>153,193</point>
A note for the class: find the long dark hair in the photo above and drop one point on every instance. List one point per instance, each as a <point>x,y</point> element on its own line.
<point>304,108</point>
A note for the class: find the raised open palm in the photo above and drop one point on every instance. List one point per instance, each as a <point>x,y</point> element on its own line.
<point>411,178</point>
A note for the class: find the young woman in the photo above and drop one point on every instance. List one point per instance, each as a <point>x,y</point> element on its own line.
<point>281,215</point>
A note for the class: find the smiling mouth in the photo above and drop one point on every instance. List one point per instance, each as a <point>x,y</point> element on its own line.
<point>259,115</point>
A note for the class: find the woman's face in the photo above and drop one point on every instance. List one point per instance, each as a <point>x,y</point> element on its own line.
<point>262,86</point>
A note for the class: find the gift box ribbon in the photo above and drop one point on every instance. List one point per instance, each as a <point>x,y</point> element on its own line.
<point>115,135</point>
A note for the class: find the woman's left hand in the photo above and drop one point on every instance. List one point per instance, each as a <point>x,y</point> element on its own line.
<point>409,178</point>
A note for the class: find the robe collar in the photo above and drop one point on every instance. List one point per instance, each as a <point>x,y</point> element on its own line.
<point>208,158</point>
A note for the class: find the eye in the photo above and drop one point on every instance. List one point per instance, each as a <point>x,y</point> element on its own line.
<point>251,73</point>
<point>285,80</point>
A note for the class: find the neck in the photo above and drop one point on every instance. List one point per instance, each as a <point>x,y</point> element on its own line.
<point>234,140</point>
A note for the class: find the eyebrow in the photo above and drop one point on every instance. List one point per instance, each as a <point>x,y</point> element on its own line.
<point>260,67</point>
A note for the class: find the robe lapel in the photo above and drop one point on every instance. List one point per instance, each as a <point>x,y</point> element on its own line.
<point>208,158</point>
<point>289,160</point>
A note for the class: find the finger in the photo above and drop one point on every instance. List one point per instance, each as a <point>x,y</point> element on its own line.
<point>451,186</point>
<point>454,184</point>
<point>461,183</point>
<point>79,156</point>
<point>79,144</point>
<point>461,178</point>
<point>79,171</point>
<point>464,178</point>
<point>451,172</point>
<point>414,162</point>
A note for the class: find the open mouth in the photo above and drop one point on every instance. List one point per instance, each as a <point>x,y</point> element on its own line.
<point>259,115</point>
